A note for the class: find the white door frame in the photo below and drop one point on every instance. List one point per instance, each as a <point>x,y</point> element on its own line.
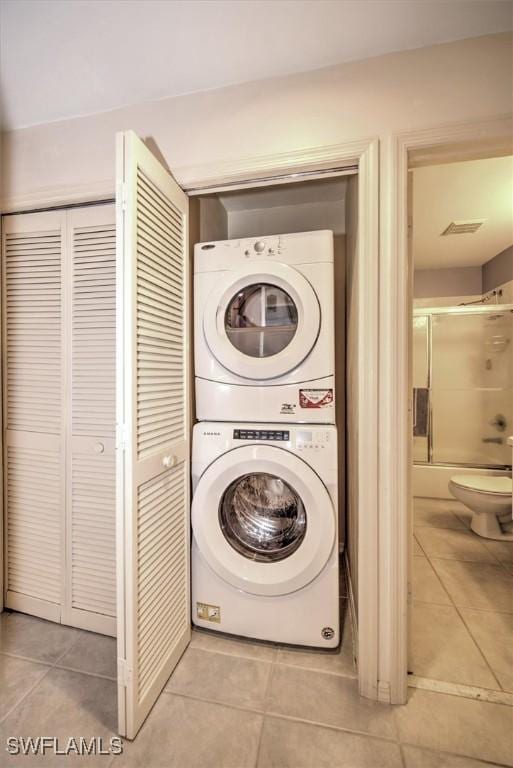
<point>325,160</point>
<point>364,155</point>
<point>449,143</point>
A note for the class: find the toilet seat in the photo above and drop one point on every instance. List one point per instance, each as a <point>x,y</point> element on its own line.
<point>499,485</point>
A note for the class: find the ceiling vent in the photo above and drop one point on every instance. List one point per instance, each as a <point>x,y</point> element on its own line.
<point>463,227</point>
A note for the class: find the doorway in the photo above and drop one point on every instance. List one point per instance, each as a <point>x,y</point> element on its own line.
<point>461,243</point>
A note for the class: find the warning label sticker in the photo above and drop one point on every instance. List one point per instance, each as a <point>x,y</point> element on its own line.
<point>315,398</point>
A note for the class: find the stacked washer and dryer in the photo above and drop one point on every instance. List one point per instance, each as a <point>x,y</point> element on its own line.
<point>264,456</point>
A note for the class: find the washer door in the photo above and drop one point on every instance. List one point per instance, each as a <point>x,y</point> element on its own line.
<point>263,520</point>
<point>261,321</point>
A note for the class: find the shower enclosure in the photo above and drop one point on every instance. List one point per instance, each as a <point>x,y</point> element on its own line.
<point>463,386</point>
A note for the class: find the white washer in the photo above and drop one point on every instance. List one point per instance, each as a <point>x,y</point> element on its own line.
<point>264,329</point>
<point>265,532</point>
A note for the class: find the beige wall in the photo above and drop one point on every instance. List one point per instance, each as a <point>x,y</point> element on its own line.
<point>498,270</point>
<point>469,79</point>
<point>213,219</point>
<point>304,217</point>
<point>506,297</point>
<point>454,281</point>
<point>464,282</point>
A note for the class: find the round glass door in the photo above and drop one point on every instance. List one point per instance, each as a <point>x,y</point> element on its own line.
<point>262,517</point>
<point>261,320</point>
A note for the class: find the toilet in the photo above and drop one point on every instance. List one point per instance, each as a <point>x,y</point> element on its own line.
<point>490,499</point>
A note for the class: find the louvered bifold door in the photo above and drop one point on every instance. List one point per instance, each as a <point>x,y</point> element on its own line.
<point>153,425</point>
<point>32,284</point>
<point>91,420</point>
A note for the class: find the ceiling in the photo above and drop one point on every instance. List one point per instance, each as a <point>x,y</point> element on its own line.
<point>62,59</point>
<point>324,191</point>
<point>476,189</point>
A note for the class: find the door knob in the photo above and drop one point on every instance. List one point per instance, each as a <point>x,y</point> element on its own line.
<point>99,448</point>
<point>169,461</point>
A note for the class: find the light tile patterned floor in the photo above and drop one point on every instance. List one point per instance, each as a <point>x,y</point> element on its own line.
<point>236,704</point>
<point>463,600</point>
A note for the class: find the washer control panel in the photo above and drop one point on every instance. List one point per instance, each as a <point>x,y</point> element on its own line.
<point>312,439</point>
<point>261,434</point>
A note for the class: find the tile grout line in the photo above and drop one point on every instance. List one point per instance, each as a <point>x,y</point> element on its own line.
<point>484,611</point>
<point>43,677</point>
<point>26,694</point>
<point>458,612</point>
<point>476,538</point>
<point>25,658</point>
<point>317,670</point>
<point>265,702</point>
<point>437,576</point>
<point>456,608</point>
<point>229,705</point>
<point>459,755</point>
<point>337,728</point>
<point>228,653</point>
<point>279,663</point>
<point>291,718</point>
<point>500,562</point>
<point>56,665</point>
<point>500,688</point>
<point>83,672</point>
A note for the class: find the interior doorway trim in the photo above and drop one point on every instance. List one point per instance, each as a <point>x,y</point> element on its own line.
<point>361,157</point>
<point>334,159</point>
<point>447,143</point>
<point>59,196</point>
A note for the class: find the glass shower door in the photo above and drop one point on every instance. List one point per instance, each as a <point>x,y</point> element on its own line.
<point>421,415</point>
<point>472,387</point>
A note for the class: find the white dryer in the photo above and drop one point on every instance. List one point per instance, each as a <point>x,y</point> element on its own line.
<point>265,532</point>
<point>264,329</point>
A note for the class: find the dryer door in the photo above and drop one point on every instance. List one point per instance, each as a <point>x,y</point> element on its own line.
<point>261,321</point>
<point>263,520</point>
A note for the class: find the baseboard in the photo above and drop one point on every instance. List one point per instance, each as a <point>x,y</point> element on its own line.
<point>34,606</point>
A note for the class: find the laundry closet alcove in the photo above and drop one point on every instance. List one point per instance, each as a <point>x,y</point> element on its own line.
<point>98,406</point>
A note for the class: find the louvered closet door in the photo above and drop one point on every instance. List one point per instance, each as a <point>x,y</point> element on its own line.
<point>91,478</point>
<point>152,398</point>
<point>33,422</point>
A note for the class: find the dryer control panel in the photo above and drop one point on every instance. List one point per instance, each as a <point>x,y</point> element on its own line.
<point>312,439</point>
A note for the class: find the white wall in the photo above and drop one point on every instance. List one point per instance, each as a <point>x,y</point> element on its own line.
<point>288,218</point>
<point>465,80</point>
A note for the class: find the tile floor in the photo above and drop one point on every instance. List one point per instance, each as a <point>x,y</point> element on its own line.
<point>463,600</point>
<point>236,704</point>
